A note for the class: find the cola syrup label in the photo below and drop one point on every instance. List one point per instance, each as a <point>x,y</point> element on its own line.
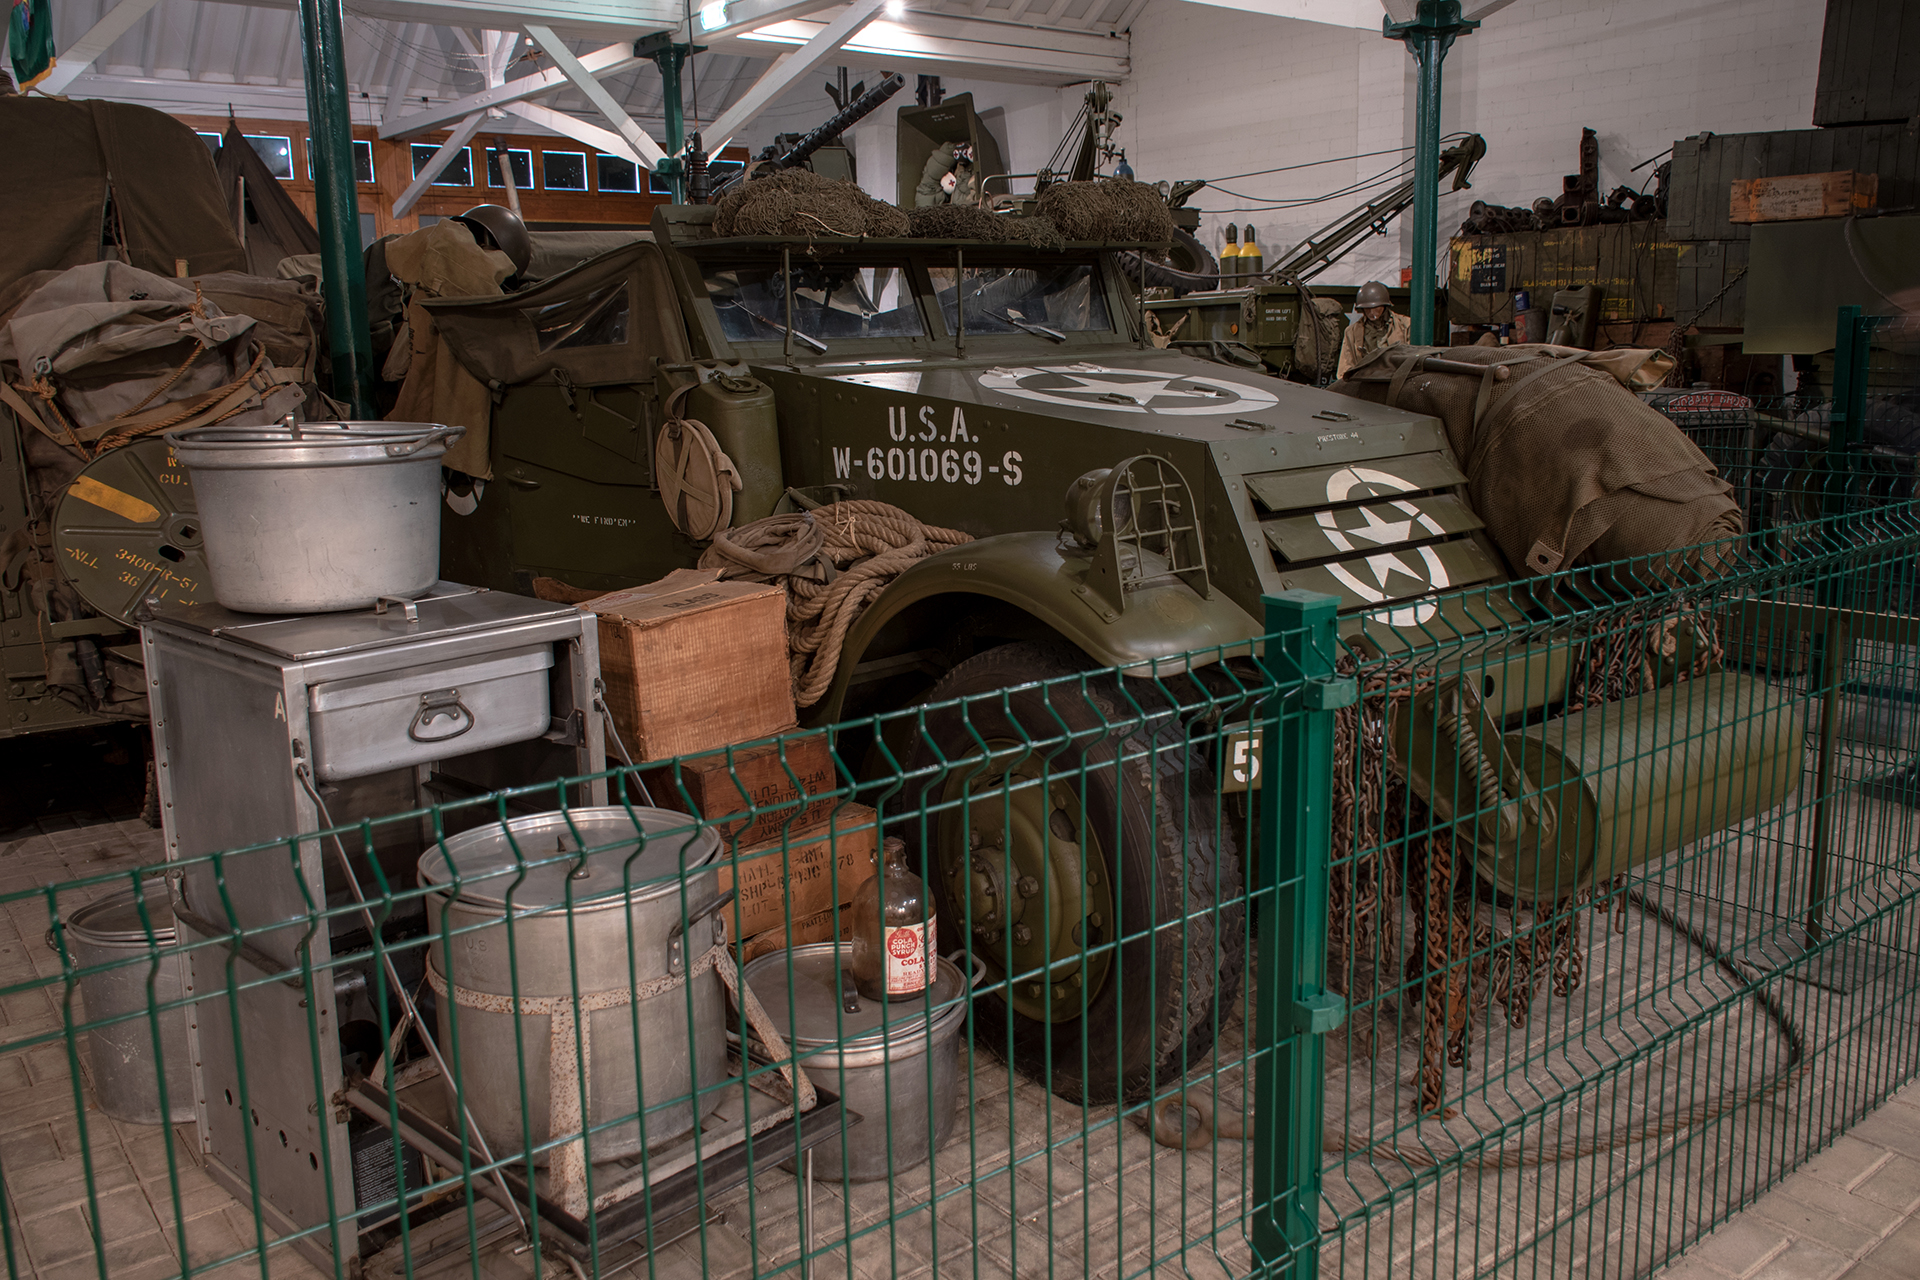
<point>909,947</point>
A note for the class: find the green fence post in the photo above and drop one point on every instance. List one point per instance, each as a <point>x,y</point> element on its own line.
<point>1830,649</point>
<point>1294,1008</point>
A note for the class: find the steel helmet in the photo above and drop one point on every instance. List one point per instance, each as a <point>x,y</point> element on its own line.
<point>495,226</point>
<point>1372,294</point>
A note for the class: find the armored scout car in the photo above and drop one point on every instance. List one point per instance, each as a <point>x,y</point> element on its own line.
<point>978,386</point>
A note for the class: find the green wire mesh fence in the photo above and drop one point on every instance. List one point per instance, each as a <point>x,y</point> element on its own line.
<point>1530,929</point>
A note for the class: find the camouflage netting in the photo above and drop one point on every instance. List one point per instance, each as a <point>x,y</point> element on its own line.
<point>971,222</point>
<point>796,202</point>
<point>1113,210</point>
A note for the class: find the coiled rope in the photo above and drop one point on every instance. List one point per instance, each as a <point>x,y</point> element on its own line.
<point>834,561</point>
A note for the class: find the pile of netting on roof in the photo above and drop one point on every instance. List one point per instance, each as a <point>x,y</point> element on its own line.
<point>1113,210</point>
<point>797,202</point>
<point>971,222</point>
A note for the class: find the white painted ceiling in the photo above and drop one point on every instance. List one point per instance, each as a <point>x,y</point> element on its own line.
<point>200,56</point>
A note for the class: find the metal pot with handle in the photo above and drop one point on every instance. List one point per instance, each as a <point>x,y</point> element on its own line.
<point>592,921</point>
<point>317,517</point>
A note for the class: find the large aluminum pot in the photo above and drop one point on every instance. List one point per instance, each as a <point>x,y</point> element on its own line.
<point>895,1064</point>
<point>126,1079</point>
<point>598,907</point>
<point>317,517</point>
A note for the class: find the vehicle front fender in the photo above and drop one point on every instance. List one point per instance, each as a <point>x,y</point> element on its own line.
<point>1163,623</point>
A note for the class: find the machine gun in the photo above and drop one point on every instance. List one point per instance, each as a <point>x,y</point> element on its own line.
<point>800,151</point>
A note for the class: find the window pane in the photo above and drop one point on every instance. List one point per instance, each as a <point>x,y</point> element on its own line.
<point>458,171</point>
<point>368,229</point>
<point>1067,298</point>
<point>564,170</point>
<point>828,302</point>
<point>362,160</point>
<point>618,175</point>
<point>276,152</point>
<point>522,162</point>
<point>659,184</point>
<point>212,140</point>
<point>598,320</point>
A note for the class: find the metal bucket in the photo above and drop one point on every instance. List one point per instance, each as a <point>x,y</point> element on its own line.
<point>499,1042</point>
<point>896,1065</point>
<point>317,517</point>
<point>125,1079</point>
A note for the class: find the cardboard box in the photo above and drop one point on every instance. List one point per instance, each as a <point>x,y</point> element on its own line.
<point>721,784</point>
<point>691,663</point>
<point>817,927</point>
<point>800,884</point>
<point>1803,195</point>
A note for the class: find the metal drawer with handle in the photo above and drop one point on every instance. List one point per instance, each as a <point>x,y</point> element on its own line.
<point>369,724</point>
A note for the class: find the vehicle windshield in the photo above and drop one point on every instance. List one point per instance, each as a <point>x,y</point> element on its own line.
<point>1052,301</point>
<point>829,301</point>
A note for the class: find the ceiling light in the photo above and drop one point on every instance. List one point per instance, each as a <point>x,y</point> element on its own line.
<point>896,8</point>
<point>882,37</point>
<point>713,14</point>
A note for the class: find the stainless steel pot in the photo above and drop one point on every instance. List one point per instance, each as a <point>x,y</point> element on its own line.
<point>598,914</point>
<point>317,517</point>
<point>126,1078</point>
<point>897,1065</point>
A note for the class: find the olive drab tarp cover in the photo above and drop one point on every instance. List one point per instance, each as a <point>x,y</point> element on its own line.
<point>604,322</point>
<point>276,227</point>
<point>105,352</point>
<point>166,199</point>
<point>1564,462</point>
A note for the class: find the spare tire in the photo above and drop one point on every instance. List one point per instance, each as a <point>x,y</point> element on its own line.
<point>1189,267</point>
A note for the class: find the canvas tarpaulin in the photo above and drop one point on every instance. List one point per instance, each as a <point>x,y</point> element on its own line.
<point>604,322</point>
<point>275,227</point>
<point>1564,462</point>
<point>166,200</point>
<point>105,353</point>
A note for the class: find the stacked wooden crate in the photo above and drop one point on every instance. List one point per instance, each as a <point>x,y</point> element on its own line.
<point>698,685</point>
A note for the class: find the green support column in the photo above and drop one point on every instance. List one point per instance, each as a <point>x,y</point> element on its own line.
<point>1294,1008</point>
<point>1435,25</point>
<point>343,282</point>
<point>670,58</point>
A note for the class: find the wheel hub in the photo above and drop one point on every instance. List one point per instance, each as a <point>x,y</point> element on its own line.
<point>1034,885</point>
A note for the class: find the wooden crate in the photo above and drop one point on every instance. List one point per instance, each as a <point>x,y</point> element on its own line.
<point>1633,263</point>
<point>798,883</point>
<point>692,664</point>
<point>1803,195</point>
<point>817,927</point>
<point>723,783</point>
<point>1704,168</point>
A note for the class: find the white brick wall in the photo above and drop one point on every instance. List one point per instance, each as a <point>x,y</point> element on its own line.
<point>1215,92</point>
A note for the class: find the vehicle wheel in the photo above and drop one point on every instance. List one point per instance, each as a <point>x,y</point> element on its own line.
<point>1084,871</point>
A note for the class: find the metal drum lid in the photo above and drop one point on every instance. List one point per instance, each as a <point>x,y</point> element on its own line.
<point>126,530</point>
<point>818,1014</point>
<point>115,919</point>
<point>537,859</point>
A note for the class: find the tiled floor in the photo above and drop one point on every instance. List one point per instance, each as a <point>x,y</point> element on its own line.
<point>1103,1201</point>
<point>1853,1211</point>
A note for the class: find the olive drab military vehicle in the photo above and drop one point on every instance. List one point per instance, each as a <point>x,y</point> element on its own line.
<point>852,368</point>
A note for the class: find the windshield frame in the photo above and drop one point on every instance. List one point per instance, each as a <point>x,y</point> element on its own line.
<point>916,259</point>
